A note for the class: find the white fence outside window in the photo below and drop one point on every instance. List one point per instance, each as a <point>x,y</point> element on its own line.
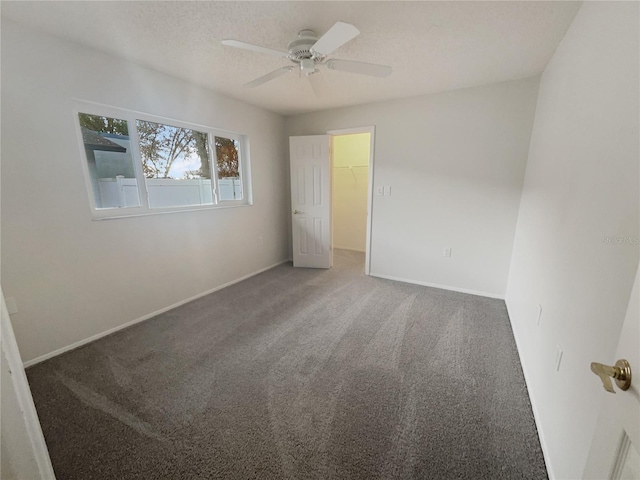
<point>165,192</point>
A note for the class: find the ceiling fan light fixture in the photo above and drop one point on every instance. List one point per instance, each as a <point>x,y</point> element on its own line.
<point>307,66</point>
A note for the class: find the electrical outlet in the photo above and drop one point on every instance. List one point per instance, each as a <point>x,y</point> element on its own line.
<point>447,252</point>
<point>558,357</point>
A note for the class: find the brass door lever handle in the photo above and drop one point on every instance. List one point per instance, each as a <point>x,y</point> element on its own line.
<point>621,372</point>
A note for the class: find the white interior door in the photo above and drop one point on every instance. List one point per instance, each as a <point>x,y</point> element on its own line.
<point>615,449</point>
<point>311,201</point>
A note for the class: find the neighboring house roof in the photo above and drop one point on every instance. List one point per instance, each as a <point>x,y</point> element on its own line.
<point>95,141</point>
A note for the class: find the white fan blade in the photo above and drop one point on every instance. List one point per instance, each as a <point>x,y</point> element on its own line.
<point>335,37</point>
<point>318,85</point>
<point>268,76</point>
<point>254,48</point>
<point>359,67</point>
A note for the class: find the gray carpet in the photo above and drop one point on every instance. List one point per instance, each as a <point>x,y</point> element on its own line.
<point>297,374</point>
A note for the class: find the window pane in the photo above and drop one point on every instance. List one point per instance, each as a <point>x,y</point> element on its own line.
<point>108,152</point>
<point>228,164</point>
<point>175,162</point>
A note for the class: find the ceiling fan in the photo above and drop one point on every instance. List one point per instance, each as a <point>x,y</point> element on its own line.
<point>307,52</point>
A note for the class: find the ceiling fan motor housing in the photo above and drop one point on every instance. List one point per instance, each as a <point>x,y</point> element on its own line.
<point>300,49</point>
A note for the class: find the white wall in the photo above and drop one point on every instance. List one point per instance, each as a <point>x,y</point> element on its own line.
<point>455,163</point>
<point>51,249</point>
<point>581,189</point>
<point>350,190</point>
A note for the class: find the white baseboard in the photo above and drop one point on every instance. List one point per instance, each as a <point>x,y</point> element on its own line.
<point>435,285</point>
<point>79,343</point>
<point>536,416</point>
<point>348,248</point>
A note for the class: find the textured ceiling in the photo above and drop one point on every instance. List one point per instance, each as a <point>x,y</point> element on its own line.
<point>432,46</point>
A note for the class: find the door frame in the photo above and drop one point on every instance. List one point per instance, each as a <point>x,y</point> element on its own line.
<point>31,435</point>
<point>371,130</point>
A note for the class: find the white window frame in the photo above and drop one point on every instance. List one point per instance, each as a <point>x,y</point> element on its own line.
<point>131,116</point>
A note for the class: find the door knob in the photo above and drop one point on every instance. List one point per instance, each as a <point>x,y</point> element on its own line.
<point>621,372</point>
<point>295,212</point>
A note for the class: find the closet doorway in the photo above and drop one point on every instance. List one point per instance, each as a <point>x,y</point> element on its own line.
<point>352,181</point>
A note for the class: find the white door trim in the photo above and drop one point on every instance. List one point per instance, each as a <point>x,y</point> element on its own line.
<point>30,419</point>
<point>372,131</point>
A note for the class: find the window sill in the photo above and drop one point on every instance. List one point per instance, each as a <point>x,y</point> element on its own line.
<point>168,212</point>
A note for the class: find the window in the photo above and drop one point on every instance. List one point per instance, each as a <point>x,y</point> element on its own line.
<point>109,161</point>
<point>175,162</point>
<point>227,158</point>
<point>139,164</point>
